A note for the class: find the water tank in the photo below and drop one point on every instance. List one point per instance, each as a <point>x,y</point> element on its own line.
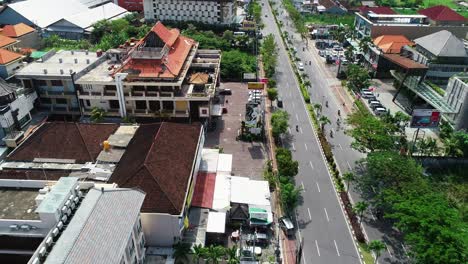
<point>106,145</point>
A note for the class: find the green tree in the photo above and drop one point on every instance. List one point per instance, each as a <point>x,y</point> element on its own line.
<point>286,165</point>
<point>269,54</point>
<point>97,114</point>
<point>289,195</point>
<point>318,108</point>
<point>452,147</point>
<point>377,247</point>
<point>462,139</point>
<point>272,94</point>
<point>228,35</point>
<point>181,251</point>
<point>215,253</point>
<point>359,208</point>
<point>357,77</point>
<point>349,53</point>
<point>364,44</point>
<point>445,129</point>
<point>279,123</point>
<point>199,252</point>
<point>232,257</point>
<point>348,177</point>
<point>234,63</point>
<point>323,120</point>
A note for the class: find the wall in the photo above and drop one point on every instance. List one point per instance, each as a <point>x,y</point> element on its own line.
<point>30,40</point>
<point>24,103</point>
<point>160,229</point>
<point>7,70</point>
<point>456,95</point>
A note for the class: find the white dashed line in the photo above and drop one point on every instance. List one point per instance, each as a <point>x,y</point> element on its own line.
<point>293,147</point>
<point>317,186</point>
<point>302,185</point>
<point>388,250</point>
<point>311,165</point>
<point>349,166</point>
<point>294,105</point>
<point>326,214</point>
<point>297,117</point>
<point>310,216</point>
<point>340,146</point>
<point>300,130</point>
<point>318,250</point>
<point>289,130</point>
<point>336,246</point>
<point>305,145</point>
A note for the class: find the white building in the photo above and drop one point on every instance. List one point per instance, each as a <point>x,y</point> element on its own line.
<point>208,11</point>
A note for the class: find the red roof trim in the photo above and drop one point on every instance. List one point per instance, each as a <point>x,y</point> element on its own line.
<point>441,13</point>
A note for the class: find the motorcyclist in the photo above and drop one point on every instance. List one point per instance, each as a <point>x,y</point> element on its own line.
<point>339,112</point>
<point>297,128</point>
<point>331,133</point>
<point>326,103</point>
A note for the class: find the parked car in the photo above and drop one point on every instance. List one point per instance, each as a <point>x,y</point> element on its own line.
<point>321,53</point>
<point>287,226</point>
<point>300,66</point>
<point>255,92</point>
<point>371,98</point>
<point>374,104</point>
<point>279,102</point>
<point>380,110</point>
<point>225,92</point>
<point>366,94</point>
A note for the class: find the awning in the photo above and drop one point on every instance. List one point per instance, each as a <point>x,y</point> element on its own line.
<point>224,163</point>
<point>204,190</point>
<point>216,222</point>
<point>216,110</point>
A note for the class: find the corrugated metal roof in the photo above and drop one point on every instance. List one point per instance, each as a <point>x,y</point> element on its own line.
<point>100,229</point>
<point>443,44</point>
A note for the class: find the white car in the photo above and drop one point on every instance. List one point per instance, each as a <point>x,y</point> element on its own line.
<point>300,66</point>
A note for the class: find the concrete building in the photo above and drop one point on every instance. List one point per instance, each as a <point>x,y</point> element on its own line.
<point>163,75</point>
<point>10,62</point>
<point>207,11</point>
<point>8,43</point>
<point>374,25</point>
<point>443,53</point>
<point>16,104</point>
<point>26,36</point>
<point>456,95</point>
<point>53,78</point>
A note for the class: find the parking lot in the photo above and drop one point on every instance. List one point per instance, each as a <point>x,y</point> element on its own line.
<point>248,157</point>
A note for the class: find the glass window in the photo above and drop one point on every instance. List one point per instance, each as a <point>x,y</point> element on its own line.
<point>56,83</point>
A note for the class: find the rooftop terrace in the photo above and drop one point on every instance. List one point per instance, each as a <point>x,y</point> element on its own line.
<point>18,203</point>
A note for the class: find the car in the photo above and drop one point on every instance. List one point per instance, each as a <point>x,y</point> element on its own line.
<point>366,94</point>
<point>279,102</point>
<point>286,225</point>
<point>258,92</point>
<point>374,104</point>
<point>380,110</point>
<point>371,98</point>
<point>225,92</point>
<point>321,53</point>
<point>300,66</point>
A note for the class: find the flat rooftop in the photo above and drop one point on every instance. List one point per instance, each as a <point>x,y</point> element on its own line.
<point>65,60</point>
<point>18,203</point>
<point>100,73</point>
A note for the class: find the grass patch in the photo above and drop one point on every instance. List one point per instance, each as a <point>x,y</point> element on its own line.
<point>326,19</point>
<point>368,258</point>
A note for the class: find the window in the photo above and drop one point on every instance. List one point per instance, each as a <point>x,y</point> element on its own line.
<point>154,105</point>
<point>168,105</point>
<point>41,83</point>
<point>56,83</point>
<point>46,101</point>
<point>130,247</point>
<point>140,104</point>
<point>87,103</point>
<point>114,104</point>
<point>27,84</point>
<point>60,101</point>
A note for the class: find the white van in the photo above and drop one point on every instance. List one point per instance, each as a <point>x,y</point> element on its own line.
<point>366,94</point>
<point>380,110</point>
<point>239,33</point>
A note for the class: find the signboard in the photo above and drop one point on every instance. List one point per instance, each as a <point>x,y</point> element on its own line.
<point>264,80</point>
<point>250,76</point>
<point>425,118</point>
<point>248,25</point>
<point>255,85</point>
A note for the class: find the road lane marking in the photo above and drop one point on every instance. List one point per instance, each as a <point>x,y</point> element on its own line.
<point>326,214</point>
<point>388,250</point>
<point>305,145</point>
<point>349,166</point>
<point>297,117</point>
<point>302,185</point>
<point>340,146</point>
<point>317,186</point>
<point>318,250</point>
<point>336,246</point>
<point>294,105</point>
<point>289,130</point>
<point>404,249</point>
<point>300,130</point>
<point>310,216</point>
<point>293,147</point>
<point>311,166</point>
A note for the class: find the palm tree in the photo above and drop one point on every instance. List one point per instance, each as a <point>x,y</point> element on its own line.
<point>307,83</point>
<point>199,252</point>
<point>181,251</point>
<point>359,208</point>
<point>377,247</point>
<point>452,147</point>
<point>364,44</point>
<point>317,107</point>
<point>323,120</point>
<point>97,114</point>
<point>348,177</point>
<point>232,255</point>
<point>215,253</point>
<point>304,75</point>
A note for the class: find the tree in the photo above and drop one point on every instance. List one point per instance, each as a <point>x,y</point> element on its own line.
<point>234,63</point>
<point>286,165</point>
<point>307,83</point>
<point>359,208</point>
<point>97,114</point>
<point>289,195</point>
<point>357,77</point>
<point>215,253</point>
<point>348,177</point>
<point>272,94</point>
<point>269,54</point>
<point>181,251</point>
<point>199,252</point>
<point>452,147</point>
<point>377,247</point>
<point>228,35</point>
<point>323,120</point>
<point>232,257</point>
<point>445,129</point>
<point>349,53</point>
<point>364,44</point>
<point>279,123</point>
<point>318,108</point>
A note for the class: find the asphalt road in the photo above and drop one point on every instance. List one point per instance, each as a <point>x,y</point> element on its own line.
<point>313,175</point>
<point>322,225</point>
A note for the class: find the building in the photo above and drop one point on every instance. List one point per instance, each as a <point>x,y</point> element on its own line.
<point>162,159</point>
<point>379,10</point>
<point>443,15</point>
<point>369,23</point>
<point>443,53</point>
<point>53,79</point>
<point>163,75</point>
<point>67,18</point>
<point>10,62</point>
<point>26,36</point>
<point>374,60</point>
<point>105,229</point>
<point>330,7</point>
<point>8,43</point>
<point>456,95</point>
<point>16,104</point>
<point>207,11</point>
<point>131,5</point>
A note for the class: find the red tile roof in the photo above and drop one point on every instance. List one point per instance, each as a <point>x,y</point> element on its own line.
<point>61,140</point>
<point>17,30</point>
<point>441,13</point>
<point>204,190</point>
<point>5,41</point>
<point>159,161</point>
<point>392,43</point>
<point>7,56</point>
<point>380,10</point>
<point>169,36</point>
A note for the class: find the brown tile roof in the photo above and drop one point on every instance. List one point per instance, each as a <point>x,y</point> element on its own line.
<point>62,140</point>
<point>7,56</point>
<point>159,161</point>
<point>17,30</point>
<point>5,41</point>
<point>441,13</point>
<point>32,174</point>
<point>169,36</point>
<point>392,43</point>
<point>380,10</point>
<point>199,78</point>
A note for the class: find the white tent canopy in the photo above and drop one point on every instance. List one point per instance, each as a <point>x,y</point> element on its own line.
<point>216,222</point>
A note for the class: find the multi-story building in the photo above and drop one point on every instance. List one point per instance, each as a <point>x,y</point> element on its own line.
<point>411,26</point>
<point>206,11</point>
<point>53,78</point>
<point>162,75</point>
<point>456,95</point>
<point>26,36</point>
<point>130,5</point>
<point>10,62</point>
<point>442,52</point>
